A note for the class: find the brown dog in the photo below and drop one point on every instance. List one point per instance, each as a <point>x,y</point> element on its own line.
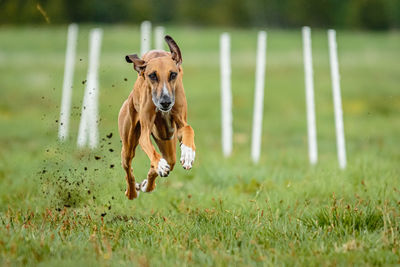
<point>157,106</point>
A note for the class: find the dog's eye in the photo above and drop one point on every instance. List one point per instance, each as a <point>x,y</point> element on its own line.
<point>153,76</point>
<point>172,76</point>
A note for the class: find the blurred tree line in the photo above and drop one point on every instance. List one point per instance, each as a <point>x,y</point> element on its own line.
<point>352,14</point>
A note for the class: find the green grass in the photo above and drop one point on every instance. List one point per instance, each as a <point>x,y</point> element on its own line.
<point>61,206</point>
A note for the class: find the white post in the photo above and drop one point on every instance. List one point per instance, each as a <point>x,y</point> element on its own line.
<point>309,83</point>
<point>145,35</point>
<point>68,79</point>
<point>159,33</point>
<point>337,100</point>
<point>226,94</point>
<point>259,96</point>
<point>88,126</point>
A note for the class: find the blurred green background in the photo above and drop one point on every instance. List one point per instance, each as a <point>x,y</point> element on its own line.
<point>353,14</point>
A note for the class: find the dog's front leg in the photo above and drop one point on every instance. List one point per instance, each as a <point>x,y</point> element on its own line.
<point>188,148</point>
<point>158,165</point>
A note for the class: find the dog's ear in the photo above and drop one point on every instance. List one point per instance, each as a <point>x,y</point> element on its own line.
<point>138,64</point>
<point>174,48</point>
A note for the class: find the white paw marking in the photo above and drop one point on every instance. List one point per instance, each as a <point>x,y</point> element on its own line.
<point>187,157</point>
<point>143,186</point>
<point>163,168</point>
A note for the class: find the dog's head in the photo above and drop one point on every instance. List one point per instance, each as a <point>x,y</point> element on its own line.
<point>161,74</point>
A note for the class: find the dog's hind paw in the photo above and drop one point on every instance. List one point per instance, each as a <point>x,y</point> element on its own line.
<point>131,194</point>
<point>143,185</point>
<point>163,168</point>
<point>187,157</point>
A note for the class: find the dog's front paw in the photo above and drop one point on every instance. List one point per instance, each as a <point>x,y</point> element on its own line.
<point>187,157</point>
<point>163,168</point>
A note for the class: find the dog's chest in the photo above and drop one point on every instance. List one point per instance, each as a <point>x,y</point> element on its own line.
<point>164,126</point>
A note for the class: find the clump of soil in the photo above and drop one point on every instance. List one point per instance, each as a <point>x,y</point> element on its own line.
<point>68,177</point>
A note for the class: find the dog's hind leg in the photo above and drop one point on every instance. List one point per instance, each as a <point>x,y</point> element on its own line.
<point>168,152</point>
<point>129,129</point>
<point>149,184</point>
<point>127,154</point>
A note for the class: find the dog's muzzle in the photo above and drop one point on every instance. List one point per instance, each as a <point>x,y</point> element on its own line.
<point>165,102</point>
<point>166,105</point>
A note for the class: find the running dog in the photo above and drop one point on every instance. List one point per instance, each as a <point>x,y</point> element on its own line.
<point>156,106</point>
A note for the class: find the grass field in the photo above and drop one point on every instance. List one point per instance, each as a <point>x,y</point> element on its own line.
<point>59,206</point>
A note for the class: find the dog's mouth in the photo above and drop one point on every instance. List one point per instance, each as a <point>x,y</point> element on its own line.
<point>165,109</point>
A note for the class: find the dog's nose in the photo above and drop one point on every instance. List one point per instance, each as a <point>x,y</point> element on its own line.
<point>166,103</point>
